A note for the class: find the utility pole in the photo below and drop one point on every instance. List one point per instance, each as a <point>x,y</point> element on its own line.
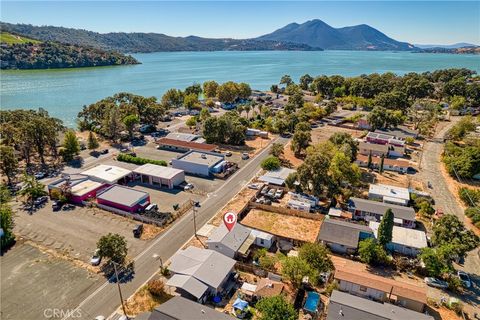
<point>119,290</point>
<point>196,205</point>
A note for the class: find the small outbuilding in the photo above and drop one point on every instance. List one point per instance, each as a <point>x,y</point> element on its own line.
<point>160,176</point>
<point>276,177</point>
<point>123,198</point>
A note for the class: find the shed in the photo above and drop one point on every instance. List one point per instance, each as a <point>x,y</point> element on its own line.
<point>263,239</point>
<point>160,176</point>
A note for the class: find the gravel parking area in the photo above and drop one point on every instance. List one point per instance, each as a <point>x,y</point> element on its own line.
<point>34,284</point>
<point>76,232</point>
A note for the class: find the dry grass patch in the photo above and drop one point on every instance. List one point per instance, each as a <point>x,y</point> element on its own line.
<point>143,300</point>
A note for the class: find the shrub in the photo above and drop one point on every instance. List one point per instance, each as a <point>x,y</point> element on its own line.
<point>156,287</point>
<point>271,163</point>
<point>469,195</point>
<point>137,160</point>
<point>330,287</point>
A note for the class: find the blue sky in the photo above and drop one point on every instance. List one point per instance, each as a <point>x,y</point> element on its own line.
<point>437,22</point>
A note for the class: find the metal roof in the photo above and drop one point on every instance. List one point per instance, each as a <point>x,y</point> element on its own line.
<point>189,284</point>
<point>404,236</point>
<point>158,171</point>
<point>182,136</point>
<point>376,207</point>
<point>232,239</point>
<point>206,158</point>
<point>276,177</point>
<point>179,308</point>
<point>345,306</point>
<point>342,232</point>
<point>122,195</point>
<point>208,266</point>
<point>389,191</point>
<point>107,173</point>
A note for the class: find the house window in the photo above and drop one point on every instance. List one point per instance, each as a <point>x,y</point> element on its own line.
<point>261,241</point>
<point>363,289</point>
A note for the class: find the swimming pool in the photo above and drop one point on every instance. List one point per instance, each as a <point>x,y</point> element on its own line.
<point>312,302</point>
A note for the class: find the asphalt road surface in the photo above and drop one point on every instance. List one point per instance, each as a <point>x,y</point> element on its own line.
<point>105,300</point>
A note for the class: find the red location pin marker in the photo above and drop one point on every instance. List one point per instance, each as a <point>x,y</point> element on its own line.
<point>229,219</point>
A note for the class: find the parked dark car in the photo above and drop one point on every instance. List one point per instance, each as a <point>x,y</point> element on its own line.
<point>68,206</point>
<point>104,151</point>
<point>138,230</point>
<point>57,205</point>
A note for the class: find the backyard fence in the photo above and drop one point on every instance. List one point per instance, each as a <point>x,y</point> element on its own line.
<point>286,211</point>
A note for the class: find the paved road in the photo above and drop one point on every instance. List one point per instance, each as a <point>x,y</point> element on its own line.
<point>446,201</point>
<point>105,300</point>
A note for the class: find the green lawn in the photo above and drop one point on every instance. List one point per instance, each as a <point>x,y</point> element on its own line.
<point>13,39</point>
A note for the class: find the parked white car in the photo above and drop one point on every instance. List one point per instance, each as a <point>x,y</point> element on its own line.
<point>96,258</point>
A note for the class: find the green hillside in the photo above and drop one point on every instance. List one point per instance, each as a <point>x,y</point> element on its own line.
<point>10,38</point>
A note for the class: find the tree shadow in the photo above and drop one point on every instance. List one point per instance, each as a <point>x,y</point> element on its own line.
<point>76,163</point>
<point>126,273</point>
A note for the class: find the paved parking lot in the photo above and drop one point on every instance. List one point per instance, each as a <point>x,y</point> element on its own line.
<point>35,283</point>
<point>74,232</point>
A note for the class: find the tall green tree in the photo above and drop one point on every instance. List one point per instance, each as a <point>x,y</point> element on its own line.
<point>113,125</point>
<point>32,189</point>
<point>195,89</point>
<point>71,147</point>
<point>114,247</point>
<point>191,101</point>
<point>173,98</point>
<point>385,229</point>
<point>276,149</point>
<point>92,141</point>
<point>275,308</point>
<point>316,255</point>
<point>295,268</point>
<point>286,80</point>
<point>210,89</point>
<point>382,160</point>
<point>371,252</point>
<point>270,163</point>
<point>449,230</point>
<point>130,122</point>
<point>8,162</point>
<point>7,224</point>
<point>305,81</point>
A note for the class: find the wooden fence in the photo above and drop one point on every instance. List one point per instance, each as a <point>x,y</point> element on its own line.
<point>286,211</point>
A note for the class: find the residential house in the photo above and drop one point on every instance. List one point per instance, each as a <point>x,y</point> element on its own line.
<point>364,284</point>
<point>380,138</point>
<point>342,236</point>
<point>374,149</point>
<point>233,243</point>
<point>389,194</point>
<point>404,240</point>
<point>388,164</point>
<point>179,308</point>
<point>199,273</point>
<point>344,306</point>
<point>369,210</point>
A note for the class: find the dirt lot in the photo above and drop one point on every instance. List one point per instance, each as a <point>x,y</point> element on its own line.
<point>322,134</point>
<point>34,282</point>
<point>74,233</point>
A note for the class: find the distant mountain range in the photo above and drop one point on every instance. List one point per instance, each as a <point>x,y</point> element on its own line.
<point>319,34</point>
<point>146,42</point>
<point>311,35</point>
<point>446,46</point>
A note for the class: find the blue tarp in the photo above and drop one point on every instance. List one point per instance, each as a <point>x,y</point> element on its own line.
<point>240,304</point>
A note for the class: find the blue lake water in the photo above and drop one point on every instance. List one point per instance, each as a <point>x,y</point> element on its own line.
<point>63,92</point>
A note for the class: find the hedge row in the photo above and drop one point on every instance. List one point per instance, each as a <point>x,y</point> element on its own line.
<point>137,160</point>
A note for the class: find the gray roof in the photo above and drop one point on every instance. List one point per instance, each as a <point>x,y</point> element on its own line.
<point>182,136</point>
<point>344,306</point>
<point>179,308</point>
<point>208,266</point>
<point>373,146</point>
<point>342,232</point>
<point>123,195</point>
<point>401,132</point>
<point>233,239</point>
<point>376,207</point>
<point>189,284</point>
<point>276,177</point>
